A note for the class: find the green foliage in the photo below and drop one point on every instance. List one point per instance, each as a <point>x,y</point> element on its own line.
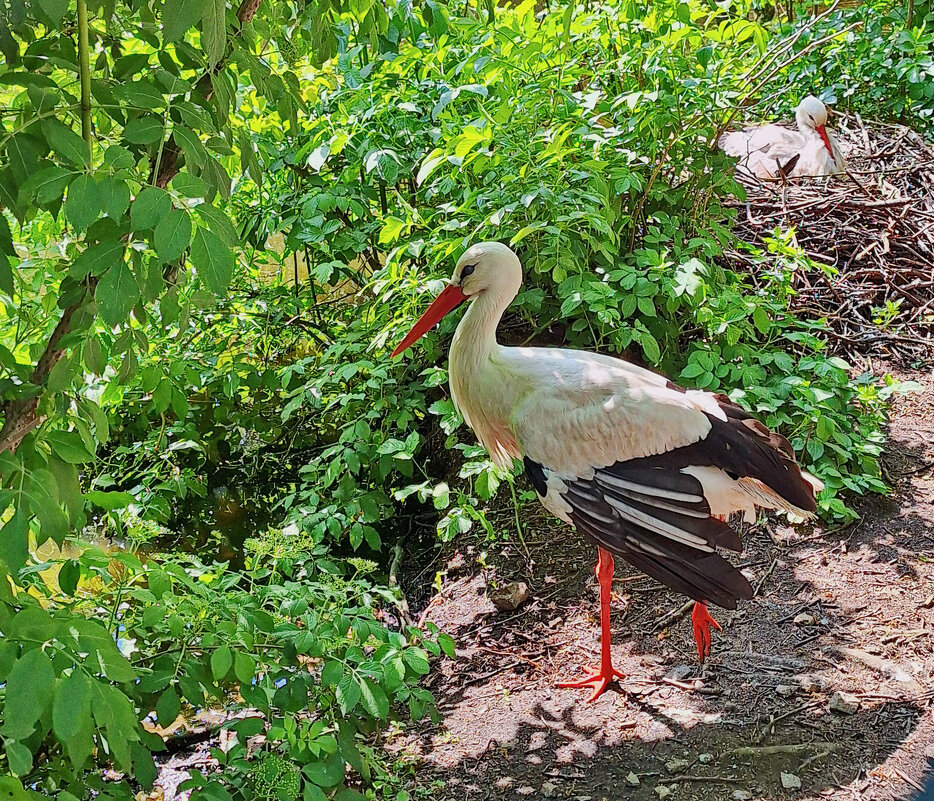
<point>239,445</point>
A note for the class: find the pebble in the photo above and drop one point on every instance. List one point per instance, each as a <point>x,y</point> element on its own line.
<point>804,619</point>
<point>787,690</point>
<point>705,759</point>
<point>790,781</point>
<point>741,795</point>
<point>680,672</point>
<point>677,765</point>
<point>844,703</point>
<point>810,683</point>
<point>632,780</point>
<point>509,597</point>
<point>662,791</point>
<point>549,789</point>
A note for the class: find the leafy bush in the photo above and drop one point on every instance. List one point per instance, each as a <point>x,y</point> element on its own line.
<point>242,442</point>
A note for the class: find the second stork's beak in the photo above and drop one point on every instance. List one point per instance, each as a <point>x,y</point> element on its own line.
<point>823,135</point>
<point>450,297</point>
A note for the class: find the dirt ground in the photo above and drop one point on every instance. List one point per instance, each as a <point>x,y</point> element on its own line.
<point>848,611</point>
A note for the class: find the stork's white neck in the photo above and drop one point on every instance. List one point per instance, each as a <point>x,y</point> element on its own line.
<point>481,391</point>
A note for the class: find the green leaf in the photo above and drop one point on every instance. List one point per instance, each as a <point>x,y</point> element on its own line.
<point>6,276</point>
<point>348,694</point>
<point>66,143</point>
<point>103,654</point>
<point>119,158</point>
<point>150,206</point>
<point>328,772</point>
<point>68,576</point>
<point>114,196</point>
<point>29,690</point>
<point>97,258</point>
<point>71,708</point>
<point>172,235</point>
<point>213,260</point>
<point>417,659</point>
<point>331,673</point>
<point>374,699</point>
<point>110,500</point>
<point>117,294</point>
<point>179,16</point>
<point>447,644</point>
<point>83,204</point>
<point>167,707</point>
<point>214,30</point>
<point>221,662</point>
<point>69,447</point>
<point>94,356</point>
<point>47,185</point>
<point>113,711</point>
<point>219,224</point>
<point>244,667</point>
<point>761,320</point>
<point>54,9</point>
<point>18,756</point>
<point>6,238</point>
<point>145,130</point>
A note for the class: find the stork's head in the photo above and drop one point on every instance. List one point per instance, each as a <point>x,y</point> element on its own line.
<point>487,268</point>
<point>811,115</point>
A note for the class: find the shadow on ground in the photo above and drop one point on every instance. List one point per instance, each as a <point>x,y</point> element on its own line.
<point>821,687</point>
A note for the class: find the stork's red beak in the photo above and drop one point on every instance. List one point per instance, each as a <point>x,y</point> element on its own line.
<point>823,135</point>
<point>450,297</point>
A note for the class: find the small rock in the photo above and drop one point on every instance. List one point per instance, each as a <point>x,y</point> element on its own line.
<point>549,789</point>
<point>810,683</point>
<point>804,619</point>
<point>844,703</point>
<point>662,791</point>
<point>786,690</point>
<point>509,597</point>
<point>705,759</point>
<point>525,790</point>
<point>677,765</point>
<point>741,795</point>
<point>680,672</point>
<point>632,780</point>
<point>790,781</point>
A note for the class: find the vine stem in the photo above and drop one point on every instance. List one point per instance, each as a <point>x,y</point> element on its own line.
<point>84,67</point>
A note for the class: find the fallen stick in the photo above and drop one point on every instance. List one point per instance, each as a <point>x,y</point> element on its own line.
<point>791,748</point>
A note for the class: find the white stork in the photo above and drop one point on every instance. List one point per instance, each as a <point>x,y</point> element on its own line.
<point>638,465</point>
<point>774,151</point>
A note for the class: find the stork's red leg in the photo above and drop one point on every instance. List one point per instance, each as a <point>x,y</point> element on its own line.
<point>601,676</point>
<point>702,621</point>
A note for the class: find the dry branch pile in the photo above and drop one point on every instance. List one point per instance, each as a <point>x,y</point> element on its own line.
<point>873,231</point>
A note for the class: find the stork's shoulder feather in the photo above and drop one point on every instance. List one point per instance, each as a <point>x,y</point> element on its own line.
<point>584,410</point>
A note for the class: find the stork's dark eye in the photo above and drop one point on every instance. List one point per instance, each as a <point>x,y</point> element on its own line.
<point>468,270</point>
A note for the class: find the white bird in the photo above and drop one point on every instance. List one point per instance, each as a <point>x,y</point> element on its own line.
<point>638,465</point>
<point>774,151</point>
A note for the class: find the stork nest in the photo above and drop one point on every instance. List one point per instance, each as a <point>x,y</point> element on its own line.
<point>869,234</point>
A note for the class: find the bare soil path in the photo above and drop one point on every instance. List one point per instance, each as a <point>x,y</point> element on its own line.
<point>847,612</point>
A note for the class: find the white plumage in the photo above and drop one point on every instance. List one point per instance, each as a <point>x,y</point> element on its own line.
<point>640,466</point>
<point>774,151</point>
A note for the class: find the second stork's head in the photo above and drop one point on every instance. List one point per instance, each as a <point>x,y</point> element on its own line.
<point>486,270</point>
<point>811,115</point>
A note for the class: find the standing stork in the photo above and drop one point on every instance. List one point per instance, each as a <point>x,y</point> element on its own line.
<point>774,151</point>
<point>640,466</point>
